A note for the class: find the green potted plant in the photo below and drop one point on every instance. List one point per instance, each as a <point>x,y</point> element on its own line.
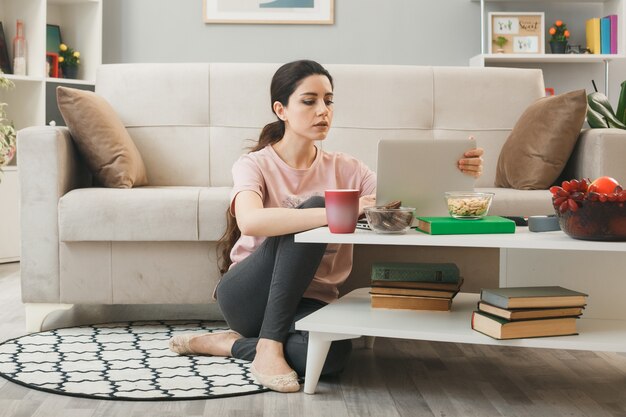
<point>7,130</point>
<point>69,59</point>
<point>600,113</point>
<point>559,36</point>
<point>500,41</point>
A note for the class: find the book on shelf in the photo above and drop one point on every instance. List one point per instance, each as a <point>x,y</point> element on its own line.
<point>533,297</point>
<point>410,303</point>
<point>413,271</point>
<point>530,313</point>
<point>415,292</point>
<point>613,34</point>
<point>500,328</point>
<point>592,29</point>
<point>439,286</point>
<point>447,225</point>
<point>605,35</point>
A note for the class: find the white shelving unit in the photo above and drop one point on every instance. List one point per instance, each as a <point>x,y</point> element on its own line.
<point>81,28</point>
<point>608,7</point>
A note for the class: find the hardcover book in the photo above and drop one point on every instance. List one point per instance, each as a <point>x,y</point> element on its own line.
<point>450,226</point>
<point>410,303</point>
<point>592,28</point>
<point>605,35</point>
<point>499,328</point>
<point>530,313</point>
<point>439,286</point>
<point>533,297</point>
<point>407,271</point>
<point>415,292</point>
<point>614,29</point>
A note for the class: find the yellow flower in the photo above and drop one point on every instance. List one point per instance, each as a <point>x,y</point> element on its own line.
<point>61,59</point>
<point>76,54</point>
<point>63,47</point>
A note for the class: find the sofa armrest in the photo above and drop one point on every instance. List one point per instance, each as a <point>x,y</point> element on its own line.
<point>599,152</point>
<point>48,167</point>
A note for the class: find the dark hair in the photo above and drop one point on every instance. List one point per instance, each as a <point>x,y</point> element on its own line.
<point>284,82</point>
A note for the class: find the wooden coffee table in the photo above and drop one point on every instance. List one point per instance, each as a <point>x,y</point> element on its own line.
<point>352,316</point>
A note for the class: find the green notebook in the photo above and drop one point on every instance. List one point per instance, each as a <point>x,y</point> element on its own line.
<point>450,226</point>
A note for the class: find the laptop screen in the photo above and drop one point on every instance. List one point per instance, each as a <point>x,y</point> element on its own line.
<point>419,172</point>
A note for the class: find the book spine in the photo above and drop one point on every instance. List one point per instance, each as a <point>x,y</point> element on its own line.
<point>417,272</point>
<point>494,299</point>
<point>614,29</point>
<point>593,35</point>
<point>605,35</point>
<point>449,227</point>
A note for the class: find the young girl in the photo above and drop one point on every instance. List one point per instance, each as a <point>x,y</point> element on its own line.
<point>269,281</point>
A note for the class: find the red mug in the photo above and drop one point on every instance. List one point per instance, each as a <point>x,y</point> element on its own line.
<point>342,210</point>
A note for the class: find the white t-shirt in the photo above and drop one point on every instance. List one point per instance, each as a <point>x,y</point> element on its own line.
<point>280,185</point>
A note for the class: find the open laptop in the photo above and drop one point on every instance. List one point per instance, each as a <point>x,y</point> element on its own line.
<point>419,172</point>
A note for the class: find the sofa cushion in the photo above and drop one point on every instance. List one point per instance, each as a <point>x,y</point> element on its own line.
<point>510,202</point>
<point>101,138</point>
<point>212,206</point>
<point>139,214</point>
<point>541,142</point>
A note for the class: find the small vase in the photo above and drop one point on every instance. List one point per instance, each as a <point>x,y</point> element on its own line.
<point>558,47</point>
<point>70,72</point>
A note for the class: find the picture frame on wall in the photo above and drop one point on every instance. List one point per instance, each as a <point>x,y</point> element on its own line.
<point>53,38</point>
<point>5,61</point>
<point>318,12</point>
<point>516,32</point>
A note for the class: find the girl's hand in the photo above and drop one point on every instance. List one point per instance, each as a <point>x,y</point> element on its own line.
<point>366,201</point>
<point>472,163</point>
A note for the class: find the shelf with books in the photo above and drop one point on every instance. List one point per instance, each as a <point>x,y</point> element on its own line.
<point>353,314</point>
<point>578,16</point>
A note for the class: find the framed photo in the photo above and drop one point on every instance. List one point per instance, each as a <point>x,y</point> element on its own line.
<point>320,12</point>
<point>52,65</point>
<point>53,38</point>
<point>516,33</point>
<point>5,61</point>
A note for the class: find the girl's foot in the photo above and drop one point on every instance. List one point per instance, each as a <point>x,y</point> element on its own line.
<point>217,343</point>
<point>271,369</point>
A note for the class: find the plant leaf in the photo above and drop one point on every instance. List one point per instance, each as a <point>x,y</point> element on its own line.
<point>621,104</point>
<point>595,119</point>
<point>599,103</point>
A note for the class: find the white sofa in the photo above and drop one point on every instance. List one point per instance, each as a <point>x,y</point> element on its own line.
<point>156,244</point>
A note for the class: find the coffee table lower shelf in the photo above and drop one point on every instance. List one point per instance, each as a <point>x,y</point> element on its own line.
<point>352,316</point>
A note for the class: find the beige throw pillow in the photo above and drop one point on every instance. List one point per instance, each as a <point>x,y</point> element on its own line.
<point>541,142</point>
<point>101,138</point>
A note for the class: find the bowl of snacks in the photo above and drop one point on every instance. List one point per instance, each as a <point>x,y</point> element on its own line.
<point>591,210</point>
<point>468,205</point>
<point>392,218</point>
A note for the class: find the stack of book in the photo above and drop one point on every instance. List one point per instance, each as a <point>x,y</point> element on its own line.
<point>519,312</point>
<point>415,286</point>
<point>602,34</point>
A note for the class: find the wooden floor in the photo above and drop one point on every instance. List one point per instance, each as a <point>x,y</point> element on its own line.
<point>397,378</point>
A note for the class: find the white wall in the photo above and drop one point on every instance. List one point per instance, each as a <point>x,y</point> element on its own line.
<point>419,32</point>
